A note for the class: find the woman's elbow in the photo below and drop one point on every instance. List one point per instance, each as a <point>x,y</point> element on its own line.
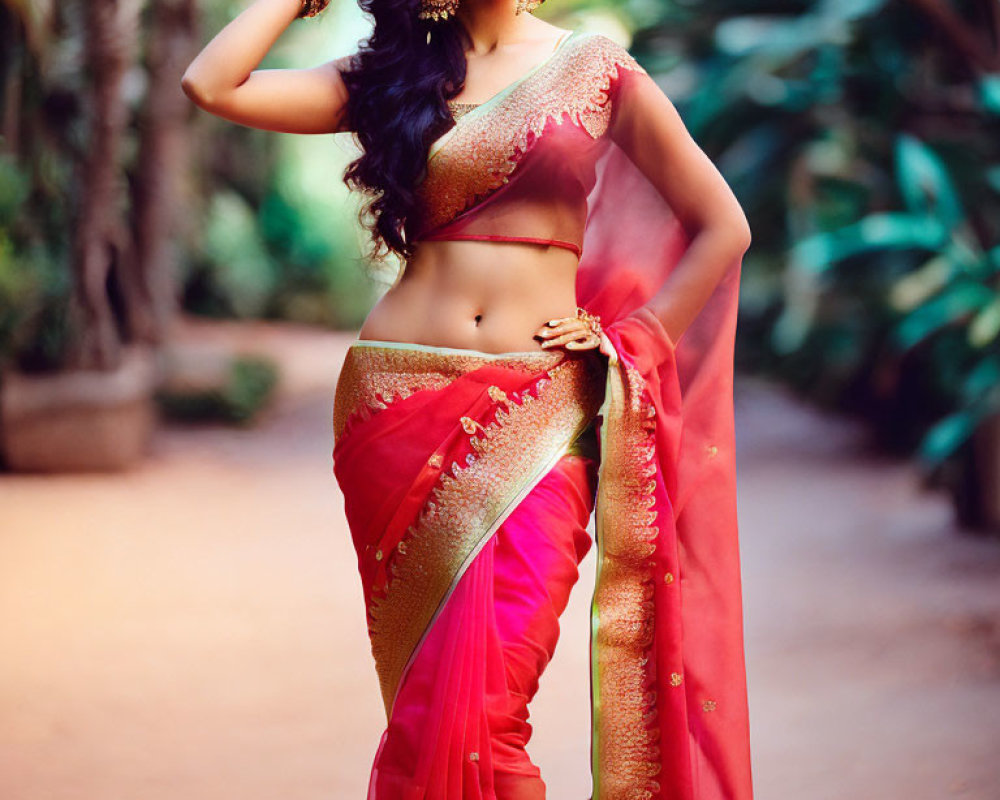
<point>735,227</point>
<point>197,89</point>
<point>742,233</point>
<point>729,231</point>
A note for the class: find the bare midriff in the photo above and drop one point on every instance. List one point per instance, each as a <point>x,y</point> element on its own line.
<point>476,295</point>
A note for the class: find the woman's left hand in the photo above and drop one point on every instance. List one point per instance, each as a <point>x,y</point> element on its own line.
<point>573,333</point>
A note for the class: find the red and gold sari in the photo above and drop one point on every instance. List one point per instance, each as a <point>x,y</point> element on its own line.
<point>469,478</point>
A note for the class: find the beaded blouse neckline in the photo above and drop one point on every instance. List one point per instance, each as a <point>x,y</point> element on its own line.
<point>461,109</point>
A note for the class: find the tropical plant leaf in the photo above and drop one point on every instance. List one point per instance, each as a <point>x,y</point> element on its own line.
<point>993,177</point>
<point>959,300</point>
<point>923,283</point>
<point>924,182</point>
<point>989,93</point>
<point>993,257</point>
<point>890,230</point>
<point>985,326</point>
<point>982,379</point>
<point>949,434</point>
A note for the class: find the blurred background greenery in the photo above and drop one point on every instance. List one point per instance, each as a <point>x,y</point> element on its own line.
<point>99,144</point>
<point>861,136</point>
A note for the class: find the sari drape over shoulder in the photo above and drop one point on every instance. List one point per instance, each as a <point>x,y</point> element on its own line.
<point>446,457</point>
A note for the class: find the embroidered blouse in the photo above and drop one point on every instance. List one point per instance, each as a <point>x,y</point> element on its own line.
<point>519,166</point>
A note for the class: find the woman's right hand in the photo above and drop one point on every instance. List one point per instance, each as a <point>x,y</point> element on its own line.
<point>224,80</point>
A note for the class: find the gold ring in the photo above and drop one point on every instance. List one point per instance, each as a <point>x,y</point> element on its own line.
<point>592,321</point>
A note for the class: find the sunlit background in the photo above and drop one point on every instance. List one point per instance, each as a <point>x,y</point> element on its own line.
<point>180,615</point>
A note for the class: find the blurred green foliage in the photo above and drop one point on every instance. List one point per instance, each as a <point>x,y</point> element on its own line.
<point>277,234</point>
<point>266,229</point>
<point>34,286</point>
<point>36,205</point>
<point>248,390</point>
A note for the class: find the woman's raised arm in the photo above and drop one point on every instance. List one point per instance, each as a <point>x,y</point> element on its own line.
<point>224,78</point>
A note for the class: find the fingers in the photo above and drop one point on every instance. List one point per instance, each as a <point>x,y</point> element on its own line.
<point>561,327</point>
<point>570,332</point>
<point>573,336</point>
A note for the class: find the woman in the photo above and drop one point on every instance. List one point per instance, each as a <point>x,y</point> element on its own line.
<point>525,173</point>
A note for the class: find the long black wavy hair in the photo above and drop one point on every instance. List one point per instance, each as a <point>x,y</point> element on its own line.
<point>398,87</point>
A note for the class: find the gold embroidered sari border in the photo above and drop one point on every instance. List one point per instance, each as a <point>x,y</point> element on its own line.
<point>625,758</point>
<point>378,373</point>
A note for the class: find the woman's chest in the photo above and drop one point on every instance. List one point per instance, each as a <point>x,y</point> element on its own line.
<point>545,162</point>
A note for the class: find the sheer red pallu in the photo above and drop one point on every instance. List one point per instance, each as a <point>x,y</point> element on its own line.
<point>469,478</point>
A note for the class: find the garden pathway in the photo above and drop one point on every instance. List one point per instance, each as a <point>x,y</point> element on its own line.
<point>194,629</point>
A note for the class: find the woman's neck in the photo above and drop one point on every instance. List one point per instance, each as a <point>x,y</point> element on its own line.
<point>491,24</point>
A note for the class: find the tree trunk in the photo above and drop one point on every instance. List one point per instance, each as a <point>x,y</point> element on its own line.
<point>110,37</point>
<point>151,284</point>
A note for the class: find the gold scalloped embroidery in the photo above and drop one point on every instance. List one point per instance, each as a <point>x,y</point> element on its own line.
<point>375,376</point>
<point>528,432</point>
<point>483,152</point>
<point>626,737</point>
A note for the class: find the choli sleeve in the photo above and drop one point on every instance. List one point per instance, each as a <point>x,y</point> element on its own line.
<point>640,112</point>
<point>607,75</point>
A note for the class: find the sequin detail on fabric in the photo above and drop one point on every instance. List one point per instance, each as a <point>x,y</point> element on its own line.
<point>482,153</point>
<point>459,110</point>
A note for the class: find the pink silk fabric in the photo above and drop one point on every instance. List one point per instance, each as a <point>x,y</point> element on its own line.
<point>549,159</point>
<point>458,719</point>
<point>469,688</point>
<point>702,723</point>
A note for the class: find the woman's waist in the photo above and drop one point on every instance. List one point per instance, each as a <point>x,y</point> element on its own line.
<point>458,323</point>
<point>492,298</point>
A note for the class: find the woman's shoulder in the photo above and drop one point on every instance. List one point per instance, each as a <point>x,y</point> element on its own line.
<point>599,53</point>
<point>581,81</point>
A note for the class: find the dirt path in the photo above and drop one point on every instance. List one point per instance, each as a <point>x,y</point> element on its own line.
<point>194,629</point>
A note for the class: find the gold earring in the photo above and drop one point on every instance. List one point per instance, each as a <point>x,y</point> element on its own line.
<point>527,5</point>
<point>437,9</point>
